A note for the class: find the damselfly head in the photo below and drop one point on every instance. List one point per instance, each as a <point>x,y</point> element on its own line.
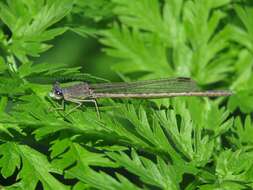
<point>56,92</point>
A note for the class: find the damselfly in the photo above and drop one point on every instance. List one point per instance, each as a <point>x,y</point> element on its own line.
<point>162,88</point>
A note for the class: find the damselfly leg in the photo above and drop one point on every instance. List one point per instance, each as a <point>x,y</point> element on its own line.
<point>61,108</point>
<point>80,102</point>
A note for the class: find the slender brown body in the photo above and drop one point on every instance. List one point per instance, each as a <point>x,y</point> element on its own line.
<point>162,88</point>
<point>142,89</point>
<point>162,95</point>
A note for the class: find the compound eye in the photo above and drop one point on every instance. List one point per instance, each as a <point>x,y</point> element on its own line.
<point>58,92</point>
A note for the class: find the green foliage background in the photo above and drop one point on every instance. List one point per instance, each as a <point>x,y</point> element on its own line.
<point>179,143</point>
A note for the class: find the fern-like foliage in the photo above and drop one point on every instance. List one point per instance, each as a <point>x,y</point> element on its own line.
<point>179,143</point>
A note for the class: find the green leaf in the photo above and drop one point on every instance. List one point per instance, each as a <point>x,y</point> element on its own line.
<point>245,13</point>
<point>7,127</point>
<point>132,47</point>
<point>29,24</point>
<point>142,133</point>
<point>161,175</point>
<point>11,86</point>
<point>85,31</point>
<point>235,166</point>
<point>32,160</point>
<point>242,85</point>
<point>242,99</point>
<point>224,185</point>
<point>101,180</point>
<point>96,10</point>
<point>143,15</point>
<point>207,66</point>
<point>3,65</point>
<point>187,128</point>
<point>10,160</point>
<point>77,153</point>
<point>243,132</point>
